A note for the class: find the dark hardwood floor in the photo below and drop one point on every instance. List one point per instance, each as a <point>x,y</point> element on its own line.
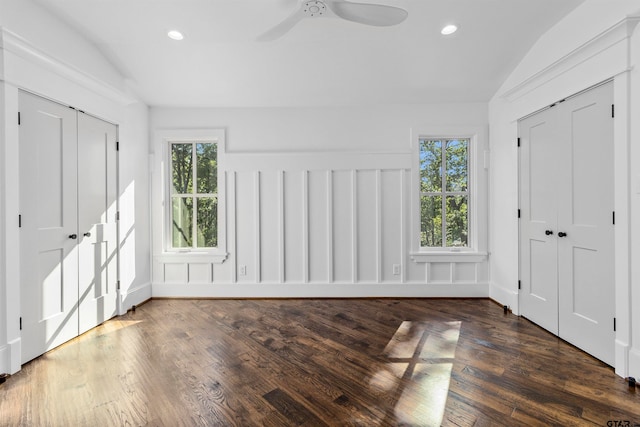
<point>365,362</point>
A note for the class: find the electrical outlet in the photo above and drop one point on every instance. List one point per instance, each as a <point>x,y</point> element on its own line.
<point>396,269</point>
<point>243,270</point>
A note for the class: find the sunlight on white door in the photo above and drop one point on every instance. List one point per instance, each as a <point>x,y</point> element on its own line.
<point>50,263</point>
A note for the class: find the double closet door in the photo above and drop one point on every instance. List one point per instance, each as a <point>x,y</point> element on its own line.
<point>566,224</point>
<point>68,229</point>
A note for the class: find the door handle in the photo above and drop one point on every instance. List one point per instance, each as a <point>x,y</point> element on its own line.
<point>548,232</point>
<point>562,234</point>
<point>87,234</point>
<point>73,236</point>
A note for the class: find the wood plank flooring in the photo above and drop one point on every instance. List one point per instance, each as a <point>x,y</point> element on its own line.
<point>328,362</point>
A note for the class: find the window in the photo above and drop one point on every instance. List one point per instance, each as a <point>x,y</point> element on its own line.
<point>193,194</point>
<point>444,192</point>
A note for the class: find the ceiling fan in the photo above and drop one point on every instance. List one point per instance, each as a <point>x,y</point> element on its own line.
<point>364,13</point>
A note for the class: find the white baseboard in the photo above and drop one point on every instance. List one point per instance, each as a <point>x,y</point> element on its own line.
<point>634,363</point>
<point>134,296</point>
<point>11,357</point>
<point>15,353</point>
<point>321,290</point>
<point>504,296</point>
<point>622,359</point>
<point>4,359</point>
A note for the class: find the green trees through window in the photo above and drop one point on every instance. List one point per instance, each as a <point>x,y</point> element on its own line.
<point>444,192</point>
<point>194,194</point>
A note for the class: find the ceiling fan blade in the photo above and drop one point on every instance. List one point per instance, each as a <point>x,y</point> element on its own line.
<point>369,14</point>
<point>280,29</point>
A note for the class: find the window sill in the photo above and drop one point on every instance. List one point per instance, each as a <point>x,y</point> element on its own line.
<point>448,256</point>
<point>192,257</point>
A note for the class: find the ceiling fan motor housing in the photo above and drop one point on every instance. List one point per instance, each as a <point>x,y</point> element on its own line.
<point>314,9</point>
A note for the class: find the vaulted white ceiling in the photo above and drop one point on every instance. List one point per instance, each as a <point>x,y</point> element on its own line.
<point>324,61</point>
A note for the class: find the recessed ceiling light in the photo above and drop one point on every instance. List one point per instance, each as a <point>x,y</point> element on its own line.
<point>449,29</point>
<point>175,35</point>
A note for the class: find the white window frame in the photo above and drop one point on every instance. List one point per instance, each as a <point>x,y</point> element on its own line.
<point>166,139</point>
<point>194,195</point>
<point>443,193</point>
<point>475,251</point>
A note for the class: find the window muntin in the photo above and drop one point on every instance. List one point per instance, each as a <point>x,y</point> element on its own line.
<point>444,192</point>
<point>194,194</point>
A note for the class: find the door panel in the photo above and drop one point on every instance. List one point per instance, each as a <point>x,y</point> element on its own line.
<point>52,280</point>
<point>541,159</point>
<point>48,206</point>
<point>538,250</point>
<point>543,279</point>
<point>584,284</point>
<point>586,255</point>
<point>97,221</point>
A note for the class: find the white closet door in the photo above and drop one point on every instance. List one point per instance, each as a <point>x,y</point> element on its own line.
<point>48,236</point>
<point>566,226</point>
<point>68,238</point>
<point>538,219</point>
<point>97,209</point>
<point>586,254</point>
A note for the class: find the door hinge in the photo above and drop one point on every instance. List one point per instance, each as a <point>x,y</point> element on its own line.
<point>117,145</point>
<point>118,216</point>
<point>118,285</point>
<point>21,323</point>
<point>518,213</point>
<point>18,118</point>
<point>613,110</point>
<point>518,142</point>
<point>19,221</point>
<point>614,324</point>
<point>614,217</point>
<point>519,284</point>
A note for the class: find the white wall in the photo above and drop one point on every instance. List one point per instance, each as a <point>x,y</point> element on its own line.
<point>4,350</point>
<point>590,45</point>
<point>135,233</point>
<point>319,203</point>
<point>40,54</point>
<point>632,299</point>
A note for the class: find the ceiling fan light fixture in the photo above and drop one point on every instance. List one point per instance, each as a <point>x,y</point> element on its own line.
<point>448,30</point>
<point>175,35</point>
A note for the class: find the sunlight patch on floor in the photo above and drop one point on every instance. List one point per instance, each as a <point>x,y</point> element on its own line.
<point>424,400</point>
<point>387,379</point>
<point>114,325</point>
<point>417,376</point>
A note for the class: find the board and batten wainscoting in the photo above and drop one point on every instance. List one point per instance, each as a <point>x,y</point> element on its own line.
<point>317,224</point>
